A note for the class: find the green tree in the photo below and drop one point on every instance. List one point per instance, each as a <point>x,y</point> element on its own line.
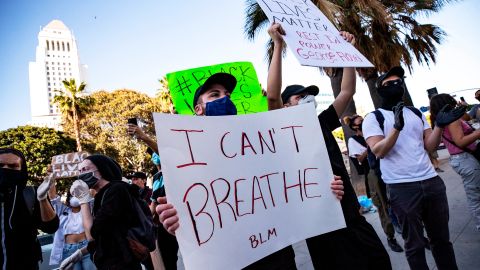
<point>73,103</point>
<point>163,97</point>
<point>104,127</point>
<point>38,145</point>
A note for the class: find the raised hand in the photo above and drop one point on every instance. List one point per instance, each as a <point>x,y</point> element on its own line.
<point>80,190</point>
<point>446,115</point>
<point>44,187</point>
<point>398,116</point>
<point>276,32</point>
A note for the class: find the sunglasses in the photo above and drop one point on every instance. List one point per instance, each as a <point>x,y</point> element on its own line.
<point>392,83</point>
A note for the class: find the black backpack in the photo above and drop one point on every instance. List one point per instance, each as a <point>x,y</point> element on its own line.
<point>141,237</point>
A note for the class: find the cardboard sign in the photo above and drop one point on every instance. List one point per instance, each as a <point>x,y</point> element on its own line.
<point>312,38</point>
<point>66,165</point>
<point>247,95</point>
<point>246,186</point>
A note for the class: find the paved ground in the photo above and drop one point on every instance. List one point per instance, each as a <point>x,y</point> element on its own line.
<point>466,241</point>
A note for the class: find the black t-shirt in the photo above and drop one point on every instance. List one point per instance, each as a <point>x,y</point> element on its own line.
<point>329,121</point>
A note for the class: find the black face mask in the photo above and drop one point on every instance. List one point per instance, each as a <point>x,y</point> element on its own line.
<point>391,93</point>
<point>88,178</point>
<point>11,178</point>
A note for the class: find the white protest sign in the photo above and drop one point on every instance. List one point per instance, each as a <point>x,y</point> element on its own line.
<point>246,186</point>
<point>66,165</point>
<point>312,38</point>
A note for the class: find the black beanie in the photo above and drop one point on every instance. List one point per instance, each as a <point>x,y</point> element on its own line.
<point>18,154</point>
<point>108,168</point>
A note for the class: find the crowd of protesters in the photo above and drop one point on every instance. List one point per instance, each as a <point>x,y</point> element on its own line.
<point>93,225</point>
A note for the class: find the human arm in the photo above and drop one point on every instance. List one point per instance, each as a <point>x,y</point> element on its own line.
<point>87,219</point>
<point>362,157</point>
<point>138,132</point>
<point>347,89</point>
<point>71,260</point>
<point>168,215</point>
<point>47,213</point>
<point>459,137</point>
<point>446,117</point>
<point>274,79</point>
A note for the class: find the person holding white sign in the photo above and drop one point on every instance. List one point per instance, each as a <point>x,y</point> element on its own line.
<point>357,246</point>
<point>213,99</point>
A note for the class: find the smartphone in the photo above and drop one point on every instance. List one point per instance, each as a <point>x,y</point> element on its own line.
<point>132,121</point>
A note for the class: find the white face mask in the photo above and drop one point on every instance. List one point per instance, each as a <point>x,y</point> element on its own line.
<point>308,99</point>
<point>74,202</point>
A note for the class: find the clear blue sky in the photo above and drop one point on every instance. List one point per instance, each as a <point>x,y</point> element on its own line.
<point>132,44</point>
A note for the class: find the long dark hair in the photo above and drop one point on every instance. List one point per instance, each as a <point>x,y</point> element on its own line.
<point>436,104</point>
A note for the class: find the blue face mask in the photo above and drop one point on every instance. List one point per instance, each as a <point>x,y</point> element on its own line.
<point>221,106</point>
<point>156,159</point>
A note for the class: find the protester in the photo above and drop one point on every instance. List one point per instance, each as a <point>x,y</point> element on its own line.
<point>113,214</point>
<point>23,213</point>
<point>460,139</point>
<point>213,99</point>
<point>358,149</point>
<point>417,194</point>
<point>140,179</point>
<point>71,235</point>
<point>166,242</point>
<point>474,113</point>
<point>357,246</point>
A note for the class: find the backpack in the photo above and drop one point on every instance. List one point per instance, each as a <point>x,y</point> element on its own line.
<point>142,236</point>
<point>373,161</point>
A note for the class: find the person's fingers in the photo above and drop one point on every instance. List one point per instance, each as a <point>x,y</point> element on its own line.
<point>171,230</point>
<point>337,177</point>
<point>162,200</point>
<point>162,207</point>
<point>166,212</point>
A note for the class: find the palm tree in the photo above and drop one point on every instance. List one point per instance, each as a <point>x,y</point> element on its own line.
<point>386,31</point>
<point>73,103</point>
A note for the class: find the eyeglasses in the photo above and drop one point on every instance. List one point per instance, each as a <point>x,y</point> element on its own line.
<point>392,83</point>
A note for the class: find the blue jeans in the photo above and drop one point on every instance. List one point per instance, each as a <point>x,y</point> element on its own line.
<point>419,204</point>
<point>468,168</point>
<point>86,263</point>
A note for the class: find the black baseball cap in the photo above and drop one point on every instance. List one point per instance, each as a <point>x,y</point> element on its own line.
<point>398,70</point>
<point>139,175</point>
<point>297,89</point>
<point>227,80</point>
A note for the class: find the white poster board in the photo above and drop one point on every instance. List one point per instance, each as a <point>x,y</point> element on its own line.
<point>312,38</point>
<point>246,186</point>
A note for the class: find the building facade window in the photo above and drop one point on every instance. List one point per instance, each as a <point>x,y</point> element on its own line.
<point>48,46</point>
<point>53,45</point>
<point>58,46</point>
<point>68,46</point>
<point>63,46</point>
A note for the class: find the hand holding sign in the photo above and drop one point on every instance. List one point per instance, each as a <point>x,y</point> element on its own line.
<point>312,38</point>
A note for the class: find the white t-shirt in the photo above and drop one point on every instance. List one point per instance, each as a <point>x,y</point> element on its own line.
<point>355,148</point>
<point>408,160</point>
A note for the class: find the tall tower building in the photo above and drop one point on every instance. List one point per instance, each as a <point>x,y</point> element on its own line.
<point>57,59</point>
